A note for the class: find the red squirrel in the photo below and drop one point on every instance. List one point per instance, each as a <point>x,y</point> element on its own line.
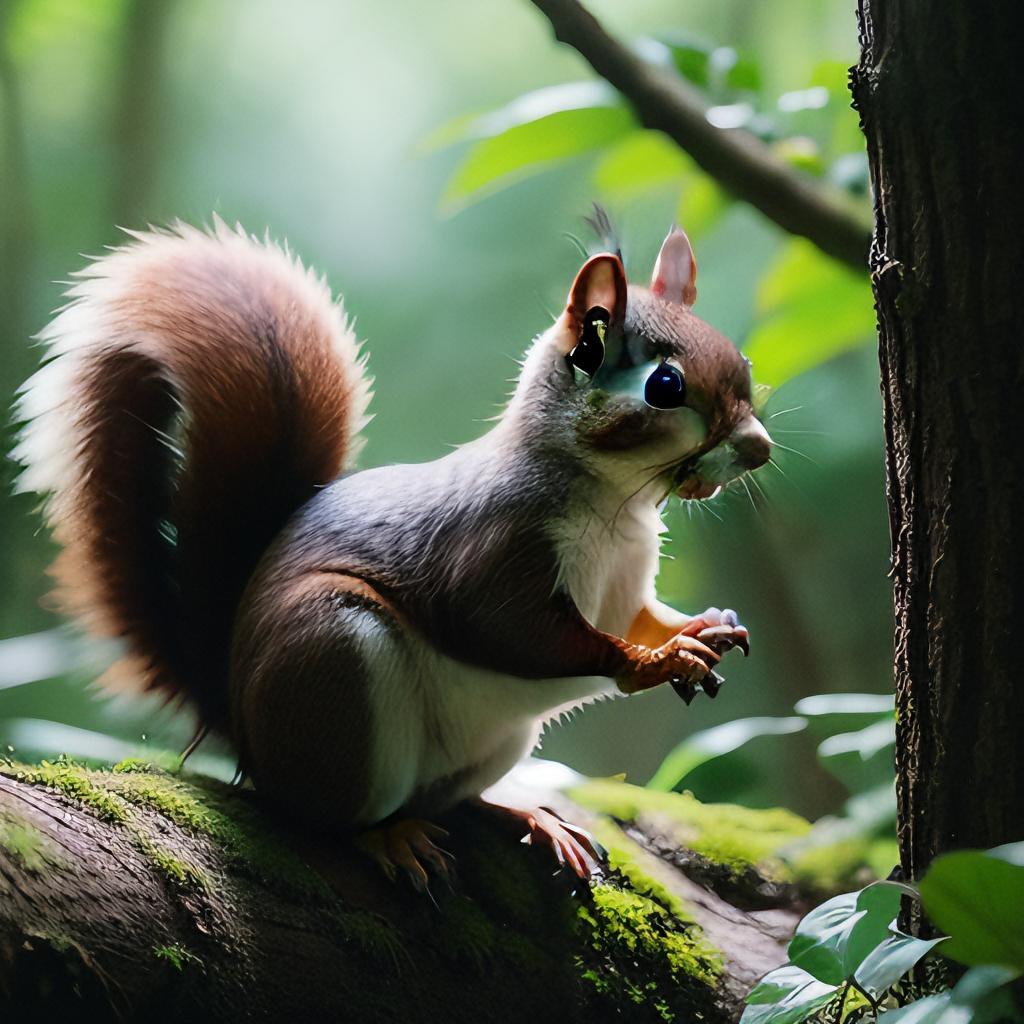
<point>397,634</point>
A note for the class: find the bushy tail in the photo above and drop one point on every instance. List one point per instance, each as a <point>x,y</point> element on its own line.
<point>201,386</point>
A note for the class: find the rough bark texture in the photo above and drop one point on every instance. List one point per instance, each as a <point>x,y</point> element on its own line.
<point>939,96</point>
<point>140,895</point>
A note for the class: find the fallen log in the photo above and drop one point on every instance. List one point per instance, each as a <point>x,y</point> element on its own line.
<point>135,894</point>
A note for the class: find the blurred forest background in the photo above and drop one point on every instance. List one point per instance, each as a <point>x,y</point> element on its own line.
<point>390,145</point>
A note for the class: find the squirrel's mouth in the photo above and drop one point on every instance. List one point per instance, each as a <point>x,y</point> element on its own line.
<point>690,485</point>
<point>695,488</point>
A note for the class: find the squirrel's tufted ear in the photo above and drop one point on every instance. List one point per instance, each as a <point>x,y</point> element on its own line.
<point>600,282</point>
<point>675,270</point>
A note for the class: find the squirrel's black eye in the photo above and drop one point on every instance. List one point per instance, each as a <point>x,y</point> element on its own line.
<point>588,355</point>
<point>665,388</point>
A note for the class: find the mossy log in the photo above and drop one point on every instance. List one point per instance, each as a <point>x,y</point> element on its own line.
<point>135,894</point>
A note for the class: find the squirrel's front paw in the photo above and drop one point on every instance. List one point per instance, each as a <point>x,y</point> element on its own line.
<point>720,629</point>
<point>682,661</point>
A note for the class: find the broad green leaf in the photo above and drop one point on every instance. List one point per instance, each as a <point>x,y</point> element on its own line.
<point>985,990</point>
<point>1012,853</point>
<point>691,57</point>
<point>981,996</point>
<point>743,72</point>
<point>641,160</point>
<point>865,742</point>
<point>822,935</point>
<point>977,897</point>
<point>929,1010</point>
<point>785,996</point>
<point>846,704</point>
<point>552,99</point>
<point>811,308</point>
<point>704,746</point>
<point>833,940</point>
<point>28,659</point>
<point>890,960</point>
<point>525,149</point>
<point>531,106</point>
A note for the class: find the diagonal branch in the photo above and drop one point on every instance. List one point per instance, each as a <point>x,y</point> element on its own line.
<point>737,160</point>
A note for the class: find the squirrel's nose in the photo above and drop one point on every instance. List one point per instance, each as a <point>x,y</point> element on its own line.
<point>751,443</point>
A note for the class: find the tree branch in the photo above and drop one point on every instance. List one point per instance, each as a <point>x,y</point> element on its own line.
<point>737,160</point>
<point>151,897</point>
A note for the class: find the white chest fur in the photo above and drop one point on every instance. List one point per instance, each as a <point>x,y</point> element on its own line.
<point>440,722</point>
<point>609,560</point>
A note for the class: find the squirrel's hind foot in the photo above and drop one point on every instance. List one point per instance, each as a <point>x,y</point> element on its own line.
<point>573,847</point>
<point>407,847</point>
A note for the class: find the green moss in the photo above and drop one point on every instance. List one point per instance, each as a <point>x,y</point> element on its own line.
<point>636,865</point>
<point>26,844</point>
<point>133,764</point>
<point>177,955</point>
<point>847,864</point>
<point>645,929</point>
<point>76,783</point>
<point>172,867</point>
<point>168,797</point>
<point>198,807</point>
<point>734,837</point>
<point>640,954</point>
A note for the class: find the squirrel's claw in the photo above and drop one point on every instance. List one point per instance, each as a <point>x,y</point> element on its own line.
<point>408,846</point>
<point>573,847</point>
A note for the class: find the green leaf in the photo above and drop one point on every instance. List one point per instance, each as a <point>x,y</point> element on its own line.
<point>29,659</point>
<point>785,996</point>
<point>691,57</point>
<point>525,149</point>
<point>704,746</point>
<point>977,897</point>
<point>832,941</point>
<point>929,1010</point>
<point>811,309</point>
<point>846,704</point>
<point>641,160</point>
<point>890,960</point>
<point>865,742</point>
<point>743,74</point>
<point>981,996</point>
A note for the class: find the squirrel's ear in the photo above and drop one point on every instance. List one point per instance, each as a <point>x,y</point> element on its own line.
<point>675,270</point>
<point>600,282</point>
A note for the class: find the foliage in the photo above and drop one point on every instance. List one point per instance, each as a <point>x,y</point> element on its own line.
<point>856,733</point>
<point>286,136</point>
<point>851,944</point>
<point>810,308</point>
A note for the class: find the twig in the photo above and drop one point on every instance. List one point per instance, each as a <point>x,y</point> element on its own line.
<point>737,160</point>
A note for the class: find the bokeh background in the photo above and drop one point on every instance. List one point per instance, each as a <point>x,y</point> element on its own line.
<point>386,143</point>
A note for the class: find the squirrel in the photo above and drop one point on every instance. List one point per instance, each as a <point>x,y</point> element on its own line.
<point>406,630</point>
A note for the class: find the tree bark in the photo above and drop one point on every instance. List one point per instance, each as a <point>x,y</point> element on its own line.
<point>939,97</point>
<point>144,896</point>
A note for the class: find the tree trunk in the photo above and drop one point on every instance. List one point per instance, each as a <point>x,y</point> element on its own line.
<point>939,96</point>
<point>146,896</point>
